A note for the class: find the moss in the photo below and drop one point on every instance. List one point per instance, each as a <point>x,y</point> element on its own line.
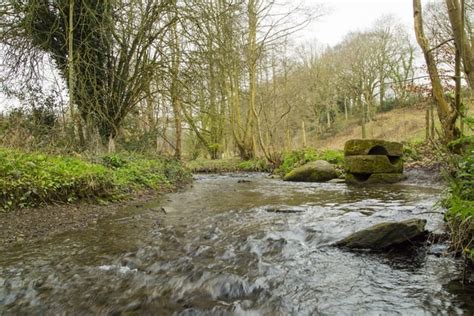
<point>315,171</point>
<point>363,147</point>
<point>373,164</point>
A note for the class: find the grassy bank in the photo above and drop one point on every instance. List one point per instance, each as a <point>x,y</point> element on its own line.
<point>460,201</point>
<point>32,179</point>
<point>227,165</point>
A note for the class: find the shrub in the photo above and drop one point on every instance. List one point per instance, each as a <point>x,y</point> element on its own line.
<point>460,197</point>
<point>255,165</point>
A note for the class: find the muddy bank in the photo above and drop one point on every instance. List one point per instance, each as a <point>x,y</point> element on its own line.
<point>33,224</point>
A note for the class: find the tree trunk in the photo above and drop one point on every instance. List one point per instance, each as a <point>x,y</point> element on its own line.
<point>427,124</point>
<point>175,90</point>
<point>303,131</point>
<point>432,118</point>
<point>111,146</point>
<point>363,120</point>
<point>456,18</point>
<point>345,109</point>
<point>447,115</point>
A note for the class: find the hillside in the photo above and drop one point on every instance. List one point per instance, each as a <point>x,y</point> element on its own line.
<point>403,124</point>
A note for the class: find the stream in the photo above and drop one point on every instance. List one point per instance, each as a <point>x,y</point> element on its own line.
<point>240,245</point>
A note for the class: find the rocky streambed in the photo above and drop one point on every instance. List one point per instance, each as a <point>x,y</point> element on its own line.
<point>241,245</point>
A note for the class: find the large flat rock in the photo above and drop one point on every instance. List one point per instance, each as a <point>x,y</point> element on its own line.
<point>373,164</point>
<point>385,235</point>
<point>314,171</point>
<point>372,146</point>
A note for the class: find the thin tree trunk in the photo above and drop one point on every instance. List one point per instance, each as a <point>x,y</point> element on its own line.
<point>433,129</point>
<point>175,91</point>
<point>345,109</point>
<point>427,124</point>
<point>303,130</point>
<point>447,115</point>
<point>456,13</point>
<point>364,118</point>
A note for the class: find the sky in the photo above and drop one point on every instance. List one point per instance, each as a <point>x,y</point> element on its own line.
<point>352,15</point>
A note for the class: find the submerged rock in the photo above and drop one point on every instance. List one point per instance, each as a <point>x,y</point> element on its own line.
<point>286,209</point>
<point>338,180</point>
<point>314,171</point>
<point>385,235</point>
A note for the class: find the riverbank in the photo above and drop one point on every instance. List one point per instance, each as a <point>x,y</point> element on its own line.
<point>132,181</point>
<point>28,225</point>
<point>43,195</point>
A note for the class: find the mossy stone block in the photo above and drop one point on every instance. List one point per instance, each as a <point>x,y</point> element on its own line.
<point>373,146</point>
<point>373,164</point>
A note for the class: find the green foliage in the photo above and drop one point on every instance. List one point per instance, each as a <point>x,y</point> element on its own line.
<point>135,172</point>
<point>460,197</point>
<point>412,151</point>
<point>113,161</point>
<point>31,179</point>
<point>254,165</point>
<point>298,158</point>
<point>228,165</point>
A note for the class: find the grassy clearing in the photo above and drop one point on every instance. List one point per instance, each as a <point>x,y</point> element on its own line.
<point>32,179</point>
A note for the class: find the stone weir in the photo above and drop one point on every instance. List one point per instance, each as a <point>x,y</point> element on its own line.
<point>370,161</point>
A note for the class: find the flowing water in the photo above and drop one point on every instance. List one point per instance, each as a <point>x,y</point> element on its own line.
<point>240,245</point>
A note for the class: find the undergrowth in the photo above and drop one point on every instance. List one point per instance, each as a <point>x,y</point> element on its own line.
<point>459,199</point>
<point>32,179</point>
<point>228,165</point>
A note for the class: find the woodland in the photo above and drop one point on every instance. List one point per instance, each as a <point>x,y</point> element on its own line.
<point>117,96</point>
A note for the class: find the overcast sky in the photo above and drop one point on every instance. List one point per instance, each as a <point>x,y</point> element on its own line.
<point>352,15</point>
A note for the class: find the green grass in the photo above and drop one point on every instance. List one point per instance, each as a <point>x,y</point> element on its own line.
<point>227,165</point>
<point>298,158</point>
<point>32,179</point>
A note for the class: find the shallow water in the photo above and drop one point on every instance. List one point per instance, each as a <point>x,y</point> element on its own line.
<point>223,248</point>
